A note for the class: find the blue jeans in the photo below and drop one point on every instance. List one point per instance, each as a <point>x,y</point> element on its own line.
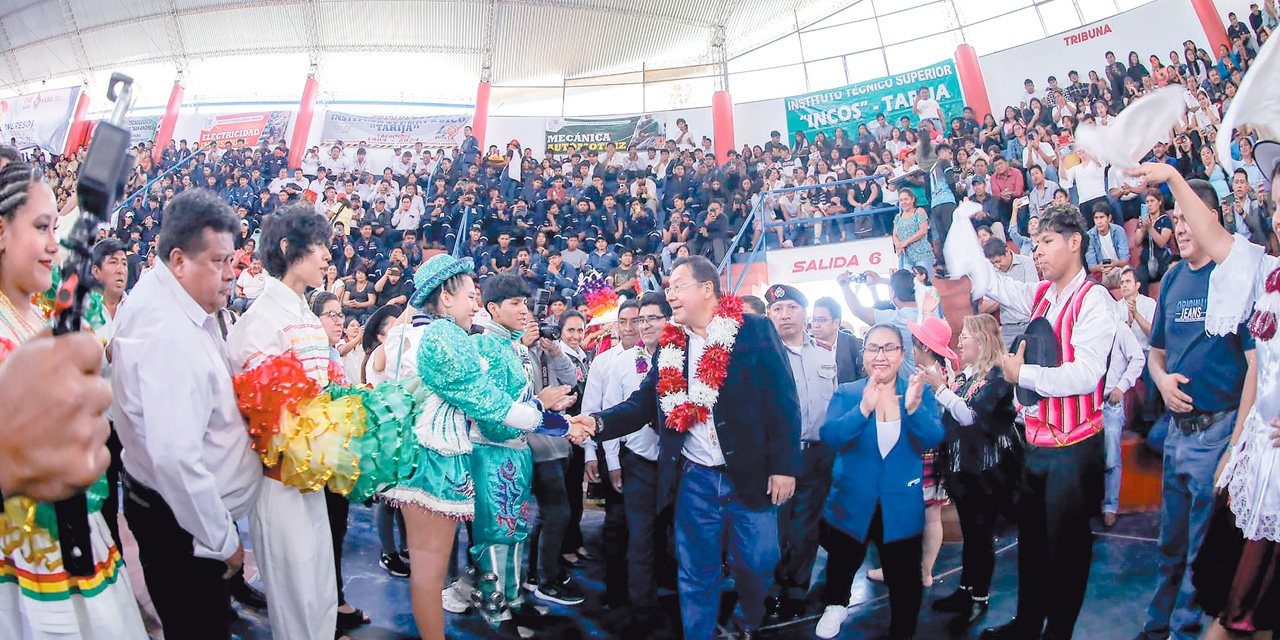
<point>705,512</point>
<point>1112,429</point>
<point>1189,463</point>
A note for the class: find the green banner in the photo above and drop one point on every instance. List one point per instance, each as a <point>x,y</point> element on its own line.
<point>589,134</point>
<point>856,104</point>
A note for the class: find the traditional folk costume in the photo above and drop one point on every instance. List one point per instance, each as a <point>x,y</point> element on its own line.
<point>303,436</point>
<point>1063,474</point>
<point>1236,571</point>
<point>503,466</point>
<point>464,377</point>
<point>40,598</point>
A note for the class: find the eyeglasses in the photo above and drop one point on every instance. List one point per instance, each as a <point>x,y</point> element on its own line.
<point>333,315</point>
<point>679,288</point>
<point>887,349</point>
<point>650,319</point>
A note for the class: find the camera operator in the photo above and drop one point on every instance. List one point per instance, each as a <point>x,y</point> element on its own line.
<point>557,360</point>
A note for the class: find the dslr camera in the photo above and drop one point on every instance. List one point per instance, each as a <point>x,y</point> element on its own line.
<point>547,328</point>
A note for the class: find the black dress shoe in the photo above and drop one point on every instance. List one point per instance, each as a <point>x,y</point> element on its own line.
<point>772,606</point>
<point>961,601</point>
<point>1011,630</point>
<point>245,594</point>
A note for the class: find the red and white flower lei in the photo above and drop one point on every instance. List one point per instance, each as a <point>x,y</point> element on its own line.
<point>689,402</point>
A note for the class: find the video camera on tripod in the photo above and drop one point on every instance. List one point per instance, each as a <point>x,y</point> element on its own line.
<point>101,182</point>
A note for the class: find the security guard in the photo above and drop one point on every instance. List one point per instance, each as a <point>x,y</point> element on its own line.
<point>813,365</point>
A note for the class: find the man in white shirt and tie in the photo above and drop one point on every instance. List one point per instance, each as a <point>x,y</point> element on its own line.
<point>190,473</point>
<point>632,460</point>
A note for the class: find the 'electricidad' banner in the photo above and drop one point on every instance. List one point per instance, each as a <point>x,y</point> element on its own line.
<point>894,96</point>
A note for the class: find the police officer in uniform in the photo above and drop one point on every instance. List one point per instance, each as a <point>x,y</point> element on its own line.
<point>813,365</point>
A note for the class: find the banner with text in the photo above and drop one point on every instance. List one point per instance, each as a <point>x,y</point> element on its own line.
<point>824,262</point>
<point>39,119</point>
<point>394,132</point>
<point>250,127</point>
<point>856,104</point>
<point>648,131</point>
<point>142,128</point>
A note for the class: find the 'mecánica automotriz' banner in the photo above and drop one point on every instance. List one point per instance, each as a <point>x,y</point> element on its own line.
<point>395,132</point>
<point>40,119</point>
<point>856,104</point>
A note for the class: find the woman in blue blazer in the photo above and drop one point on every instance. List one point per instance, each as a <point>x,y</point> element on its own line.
<point>879,427</point>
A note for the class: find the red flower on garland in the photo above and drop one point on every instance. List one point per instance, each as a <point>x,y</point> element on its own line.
<point>714,366</point>
<point>673,336</point>
<point>686,407</point>
<point>6,348</point>
<point>669,383</point>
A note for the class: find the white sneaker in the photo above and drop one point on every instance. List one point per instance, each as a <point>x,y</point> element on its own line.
<point>832,618</point>
<point>453,600</point>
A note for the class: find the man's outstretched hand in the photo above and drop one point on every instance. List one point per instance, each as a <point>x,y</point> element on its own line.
<point>580,428</point>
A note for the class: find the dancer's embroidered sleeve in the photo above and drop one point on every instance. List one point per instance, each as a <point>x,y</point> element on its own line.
<point>450,364</point>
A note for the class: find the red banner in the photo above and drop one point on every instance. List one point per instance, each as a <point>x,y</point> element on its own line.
<point>250,127</point>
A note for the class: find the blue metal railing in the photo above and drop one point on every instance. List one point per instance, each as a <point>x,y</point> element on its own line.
<point>759,242</point>
<point>147,187</point>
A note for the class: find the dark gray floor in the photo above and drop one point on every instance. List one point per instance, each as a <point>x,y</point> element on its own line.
<point>1121,581</point>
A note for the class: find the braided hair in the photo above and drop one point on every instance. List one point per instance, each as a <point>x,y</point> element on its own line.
<point>15,182</point>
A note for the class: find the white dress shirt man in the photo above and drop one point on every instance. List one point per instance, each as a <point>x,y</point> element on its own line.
<point>190,473</point>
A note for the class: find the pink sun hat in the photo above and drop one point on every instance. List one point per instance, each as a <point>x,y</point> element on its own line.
<point>934,333</point>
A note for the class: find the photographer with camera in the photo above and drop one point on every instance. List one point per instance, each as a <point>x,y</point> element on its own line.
<point>557,359</point>
<point>903,300</point>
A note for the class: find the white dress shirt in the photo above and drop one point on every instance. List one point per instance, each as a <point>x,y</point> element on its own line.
<point>701,442</point>
<point>176,412</point>
<point>613,378</point>
<point>1127,361</point>
<point>1091,337</point>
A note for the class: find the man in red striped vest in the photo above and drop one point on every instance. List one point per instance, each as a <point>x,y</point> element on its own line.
<point>1065,463</point>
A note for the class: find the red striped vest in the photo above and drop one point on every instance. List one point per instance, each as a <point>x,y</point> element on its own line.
<point>1071,419</point>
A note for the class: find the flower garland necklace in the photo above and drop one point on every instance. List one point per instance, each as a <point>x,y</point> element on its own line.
<point>689,402</point>
<point>642,359</point>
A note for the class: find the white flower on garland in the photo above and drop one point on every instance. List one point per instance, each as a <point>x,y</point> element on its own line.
<point>674,400</point>
<point>671,357</point>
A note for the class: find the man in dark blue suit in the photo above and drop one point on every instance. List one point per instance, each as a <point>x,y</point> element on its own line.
<point>733,469</point>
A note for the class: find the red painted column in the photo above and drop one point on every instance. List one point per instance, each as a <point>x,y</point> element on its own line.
<point>75,133</point>
<point>480,124</point>
<point>165,134</point>
<point>971,82</point>
<point>722,124</point>
<point>302,126</point>
<point>1212,24</point>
